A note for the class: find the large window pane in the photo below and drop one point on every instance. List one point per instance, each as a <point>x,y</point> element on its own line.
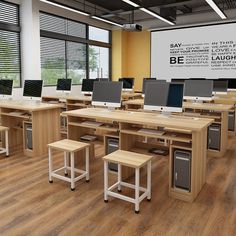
<point>98,34</point>
<point>76,62</point>
<point>52,60</point>
<point>98,62</point>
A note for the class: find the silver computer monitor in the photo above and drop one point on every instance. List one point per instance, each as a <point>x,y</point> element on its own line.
<point>107,94</point>
<point>87,86</point>
<point>6,86</point>
<point>164,97</point>
<point>128,84</point>
<point>220,86</point>
<point>198,90</point>
<point>148,80</point>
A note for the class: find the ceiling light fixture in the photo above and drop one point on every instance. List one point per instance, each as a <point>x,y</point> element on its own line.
<point>156,15</point>
<point>65,7</point>
<point>131,3</point>
<point>107,21</point>
<point>217,9</point>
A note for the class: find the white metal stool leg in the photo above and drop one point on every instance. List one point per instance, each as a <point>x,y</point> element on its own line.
<point>50,164</point>
<point>119,177</point>
<point>65,163</point>
<point>72,158</point>
<point>149,173</point>
<point>87,164</point>
<point>105,181</point>
<point>137,190</point>
<point>7,143</point>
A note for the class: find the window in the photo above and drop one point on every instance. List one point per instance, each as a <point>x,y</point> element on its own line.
<point>98,62</point>
<point>10,60</point>
<point>67,52</point>
<point>98,34</point>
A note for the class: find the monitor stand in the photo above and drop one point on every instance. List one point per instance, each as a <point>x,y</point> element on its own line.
<point>198,101</point>
<point>164,114</point>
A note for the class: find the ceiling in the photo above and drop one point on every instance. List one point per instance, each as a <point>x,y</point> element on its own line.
<point>122,13</point>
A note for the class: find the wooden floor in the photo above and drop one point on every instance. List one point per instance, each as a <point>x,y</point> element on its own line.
<point>29,205</point>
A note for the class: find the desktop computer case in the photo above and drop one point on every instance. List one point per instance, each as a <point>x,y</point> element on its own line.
<point>182,170</point>
<point>112,146</point>
<point>214,136</point>
<point>231,119</point>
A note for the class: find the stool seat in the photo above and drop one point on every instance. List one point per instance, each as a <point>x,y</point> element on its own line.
<point>68,145</point>
<point>129,159</point>
<point>3,128</point>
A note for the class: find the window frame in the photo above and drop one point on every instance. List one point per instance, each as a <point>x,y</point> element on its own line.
<point>86,41</point>
<point>15,29</point>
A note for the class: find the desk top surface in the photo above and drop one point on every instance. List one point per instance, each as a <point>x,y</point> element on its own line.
<point>26,105</point>
<point>208,106</point>
<point>143,118</point>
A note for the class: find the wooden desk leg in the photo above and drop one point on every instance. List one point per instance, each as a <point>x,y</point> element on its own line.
<point>105,181</point>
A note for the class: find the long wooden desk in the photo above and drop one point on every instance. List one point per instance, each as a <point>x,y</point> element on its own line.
<point>218,112</point>
<point>45,121</point>
<point>182,133</point>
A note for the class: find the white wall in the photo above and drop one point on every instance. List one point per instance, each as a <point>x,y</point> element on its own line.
<point>30,40</point>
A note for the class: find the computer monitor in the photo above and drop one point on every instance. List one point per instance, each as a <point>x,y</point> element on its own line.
<point>33,89</point>
<point>128,84</point>
<point>107,94</point>
<point>64,85</point>
<point>148,80</point>
<point>220,86</point>
<point>175,97</point>
<point>164,97</point>
<point>6,86</point>
<point>87,86</point>
<point>231,83</point>
<point>198,90</point>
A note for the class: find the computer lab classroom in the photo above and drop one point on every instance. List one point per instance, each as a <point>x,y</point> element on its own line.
<point>118,117</point>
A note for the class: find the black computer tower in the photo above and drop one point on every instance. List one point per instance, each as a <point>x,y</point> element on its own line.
<point>231,119</point>
<point>214,136</point>
<point>112,146</point>
<point>182,169</point>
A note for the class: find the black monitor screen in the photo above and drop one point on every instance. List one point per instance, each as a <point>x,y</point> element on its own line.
<point>198,88</point>
<point>128,83</point>
<point>156,94</point>
<point>176,93</point>
<point>231,83</point>
<point>87,85</point>
<point>145,81</point>
<point>64,84</point>
<point>33,88</point>
<point>220,85</point>
<point>6,86</point>
<point>107,92</point>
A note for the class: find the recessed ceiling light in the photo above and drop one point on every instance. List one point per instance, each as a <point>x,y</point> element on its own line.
<point>216,9</point>
<point>156,16</point>
<point>65,7</point>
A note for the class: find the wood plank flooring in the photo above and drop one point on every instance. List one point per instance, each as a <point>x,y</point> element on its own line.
<point>29,205</point>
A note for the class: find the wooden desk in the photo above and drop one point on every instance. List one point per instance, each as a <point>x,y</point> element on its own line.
<point>130,95</point>
<point>229,101</point>
<point>183,133</point>
<point>134,104</point>
<point>218,112</point>
<point>44,118</point>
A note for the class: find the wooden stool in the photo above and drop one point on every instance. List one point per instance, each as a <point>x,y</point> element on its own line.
<point>133,160</point>
<point>68,147</point>
<point>6,149</point>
